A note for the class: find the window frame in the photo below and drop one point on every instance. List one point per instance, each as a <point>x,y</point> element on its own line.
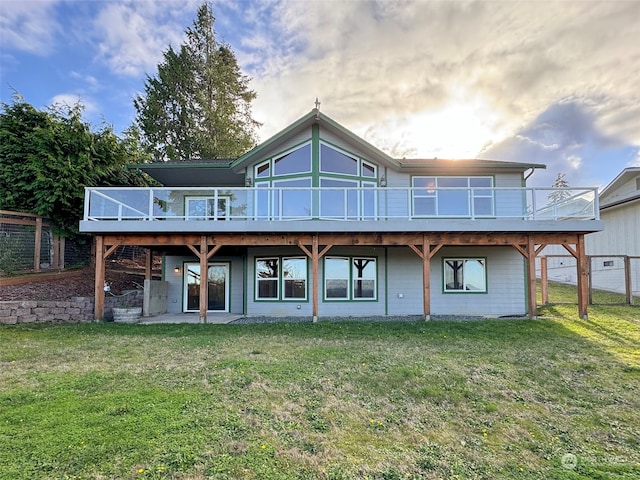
<point>281,279</point>
<point>214,216</point>
<point>351,278</point>
<point>472,193</point>
<point>463,290</point>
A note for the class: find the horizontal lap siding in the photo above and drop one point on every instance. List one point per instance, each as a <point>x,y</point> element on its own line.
<point>506,290</point>
<point>404,277</point>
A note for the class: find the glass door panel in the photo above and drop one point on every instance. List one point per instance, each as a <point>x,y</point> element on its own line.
<point>218,287</point>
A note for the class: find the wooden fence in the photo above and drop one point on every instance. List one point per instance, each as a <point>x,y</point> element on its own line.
<point>27,229</point>
<point>611,273</point>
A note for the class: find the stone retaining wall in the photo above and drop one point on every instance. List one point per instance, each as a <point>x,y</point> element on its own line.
<point>77,309</point>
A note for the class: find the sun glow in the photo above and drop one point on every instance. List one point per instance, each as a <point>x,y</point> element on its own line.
<point>459,129</point>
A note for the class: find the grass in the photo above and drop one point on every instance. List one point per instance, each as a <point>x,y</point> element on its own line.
<point>518,399</point>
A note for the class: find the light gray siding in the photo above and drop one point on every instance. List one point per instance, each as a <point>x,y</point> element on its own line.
<point>506,288</point>
<point>621,234</point>
<point>404,277</point>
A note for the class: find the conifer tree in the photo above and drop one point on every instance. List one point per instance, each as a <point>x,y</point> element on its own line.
<point>199,103</point>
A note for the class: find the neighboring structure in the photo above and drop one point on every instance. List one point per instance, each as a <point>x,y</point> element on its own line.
<point>316,222</point>
<point>615,251</point>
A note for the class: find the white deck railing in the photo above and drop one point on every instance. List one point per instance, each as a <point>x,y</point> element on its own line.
<point>347,204</point>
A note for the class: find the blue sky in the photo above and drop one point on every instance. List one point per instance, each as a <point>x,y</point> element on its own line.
<point>543,82</point>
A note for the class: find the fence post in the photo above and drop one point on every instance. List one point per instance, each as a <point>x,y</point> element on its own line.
<point>590,278</point>
<point>544,280</point>
<point>61,246</point>
<point>38,244</point>
<point>55,249</point>
<point>627,280</point>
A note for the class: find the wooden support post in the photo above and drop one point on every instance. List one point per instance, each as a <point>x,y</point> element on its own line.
<point>582,278</point>
<point>314,276</point>
<point>531,277</point>
<point>204,279</point>
<point>627,280</point>
<point>38,244</point>
<point>98,307</point>
<point>426,277</point>
<point>148,262</point>
<point>544,280</point>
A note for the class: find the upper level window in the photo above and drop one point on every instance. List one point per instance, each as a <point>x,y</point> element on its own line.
<point>334,161</point>
<point>453,196</point>
<point>290,163</point>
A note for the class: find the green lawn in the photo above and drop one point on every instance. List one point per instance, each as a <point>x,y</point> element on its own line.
<point>555,398</point>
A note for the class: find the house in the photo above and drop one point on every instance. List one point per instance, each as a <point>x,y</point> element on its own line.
<point>615,251</point>
<point>317,222</point>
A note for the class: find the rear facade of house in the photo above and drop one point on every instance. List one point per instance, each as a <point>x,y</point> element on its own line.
<point>316,222</point>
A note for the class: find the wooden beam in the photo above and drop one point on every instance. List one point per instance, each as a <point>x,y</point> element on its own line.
<point>213,251</point>
<point>305,249</point>
<point>98,306</point>
<point>204,279</point>
<point>569,248</point>
<point>194,250</point>
<point>531,278</point>
<point>582,278</point>
<point>434,250</point>
<point>110,250</point>
<point>417,250</point>
<point>522,250</point>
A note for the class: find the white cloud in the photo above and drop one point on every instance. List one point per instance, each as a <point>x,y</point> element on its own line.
<point>372,61</point>
<point>29,26</point>
<point>133,35</point>
<point>69,100</point>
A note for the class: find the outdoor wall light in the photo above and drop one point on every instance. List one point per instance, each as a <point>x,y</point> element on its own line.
<point>248,181</point>
<point>176,269</point>
<point>383,181</point>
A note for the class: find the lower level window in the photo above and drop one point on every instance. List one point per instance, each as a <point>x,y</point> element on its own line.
<point>350,278</point>
<point>465,275</point>
<point>281,278</point>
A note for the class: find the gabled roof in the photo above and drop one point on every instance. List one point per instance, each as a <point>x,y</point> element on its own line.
<point>326,124</point>
<point>610,196</point>
<point>230,172</point>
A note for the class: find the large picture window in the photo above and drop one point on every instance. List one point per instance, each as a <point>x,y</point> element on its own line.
<point>350,278</point>
<point>465,275</point>
<point>281,278</point>
<point>453,196</point>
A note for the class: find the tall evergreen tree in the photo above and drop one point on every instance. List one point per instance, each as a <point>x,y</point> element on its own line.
<point>199,103</point>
